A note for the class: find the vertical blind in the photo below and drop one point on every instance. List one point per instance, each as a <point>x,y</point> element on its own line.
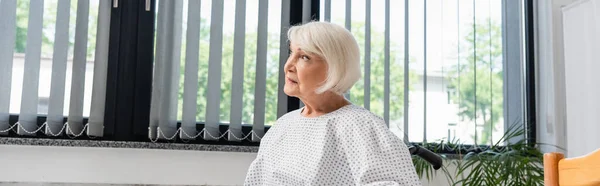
<point>431,65</point>
<point>35,64</point>
<point>176,113</point>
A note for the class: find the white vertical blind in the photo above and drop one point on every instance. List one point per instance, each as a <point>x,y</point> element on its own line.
<point>425,71</point>
<point>237,82</point>
<point>475,73</point>
<point>75,120</point>
<point>491,67</point>
<point>58,38</point>
<point>8,14</point>
<point>306,8</point>
<point>96,119</point>
<point>261,70</point>
<point>29,98</point>
<point>282,103</point>
<point>348,20</point>
<point>420,69</point>
<point>348,25</point>
<point>59,67</point>
<point>190,89</point>
<point>163,112</point>
<point>306,17</point>
<point>367,73</point>
<point>218,54</point>
<point>406,67</point>
<point>386,55</point>
<point>328,10</point>
<point>213,97</point>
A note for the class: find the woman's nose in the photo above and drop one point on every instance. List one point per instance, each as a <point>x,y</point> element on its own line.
<point>289,65</point>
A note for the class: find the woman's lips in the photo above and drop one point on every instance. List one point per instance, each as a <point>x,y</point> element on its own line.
<point>291,81</point>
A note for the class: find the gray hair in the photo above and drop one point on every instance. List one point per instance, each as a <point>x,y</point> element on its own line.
<point>337,47</point>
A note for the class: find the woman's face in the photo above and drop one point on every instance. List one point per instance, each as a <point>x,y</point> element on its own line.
<point>304,73</point>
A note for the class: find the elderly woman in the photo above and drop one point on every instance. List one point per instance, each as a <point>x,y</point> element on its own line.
<point>330,141</point>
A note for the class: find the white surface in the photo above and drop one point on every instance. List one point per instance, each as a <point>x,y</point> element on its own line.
<point>581,30</point>
<point>551,109</point>
<point>121,166</point>
<point>35,164</point>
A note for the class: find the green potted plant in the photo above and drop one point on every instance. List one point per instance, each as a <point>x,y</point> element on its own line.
<point>512,161</point>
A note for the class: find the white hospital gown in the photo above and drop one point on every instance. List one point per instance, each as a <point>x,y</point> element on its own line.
<point>349,146</point>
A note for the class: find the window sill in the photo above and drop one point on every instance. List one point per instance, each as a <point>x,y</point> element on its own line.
<point>122,144</point>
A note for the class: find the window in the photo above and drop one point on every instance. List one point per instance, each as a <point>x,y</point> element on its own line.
<point>447,64</point>
<point>51,44</point>
<point>214,69</point>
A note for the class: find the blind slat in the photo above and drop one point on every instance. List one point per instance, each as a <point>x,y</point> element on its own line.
<point>475,74</point>
<point>163,112</point>
<point>96,120</point>
<point>458,57</point>
<point>424,71</point>
<point>328,10</point>
<point>59,68</point>
<point>306,11</point>
<point>75,119</point>
<point>282,100</point>
<point>237,84</point>
<point>386,54</point>
<point>8,14</point>
<point>261,69</point>
<point>157,81</point>
<point>348,25</point>
<point>491,64</point>
<point>367,77</point>
<point>29,98</point>
<point>214,71</point>
<point>406,62</point>
<point>348,14</point>
<point>170,100</point>
<point>190,89</point>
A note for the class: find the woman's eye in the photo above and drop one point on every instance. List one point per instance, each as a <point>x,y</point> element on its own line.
<point>304,57</point>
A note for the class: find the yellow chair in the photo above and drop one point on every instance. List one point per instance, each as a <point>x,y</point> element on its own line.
<point>577,171</point>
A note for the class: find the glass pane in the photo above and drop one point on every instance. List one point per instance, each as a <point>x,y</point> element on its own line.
<point>358,30</point>
<point>416,71</point>
<point>227,61</point>
<point>338,14</point>
<point>205,11</point>
<point>273,45</point>
<point>377,57</point>
<point>496,68</point>
<point>397,68</point>
<point>250,61</point>
<point>437,101</point>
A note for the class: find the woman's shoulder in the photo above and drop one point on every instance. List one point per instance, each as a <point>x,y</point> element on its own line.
<point>357,116</point>
<point>290,115</point>
<point>359,125</point>
<point>359,113</point>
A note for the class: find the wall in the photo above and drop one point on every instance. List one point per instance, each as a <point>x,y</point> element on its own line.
<point>554,87</point>
<point>126,166</point>
<point>551,103</point>
<point>581,39</point>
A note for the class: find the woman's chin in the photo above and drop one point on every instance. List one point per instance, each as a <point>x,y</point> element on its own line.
<point>290,91</point>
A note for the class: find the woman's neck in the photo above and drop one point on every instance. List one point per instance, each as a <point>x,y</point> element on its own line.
<point>323,104</point>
